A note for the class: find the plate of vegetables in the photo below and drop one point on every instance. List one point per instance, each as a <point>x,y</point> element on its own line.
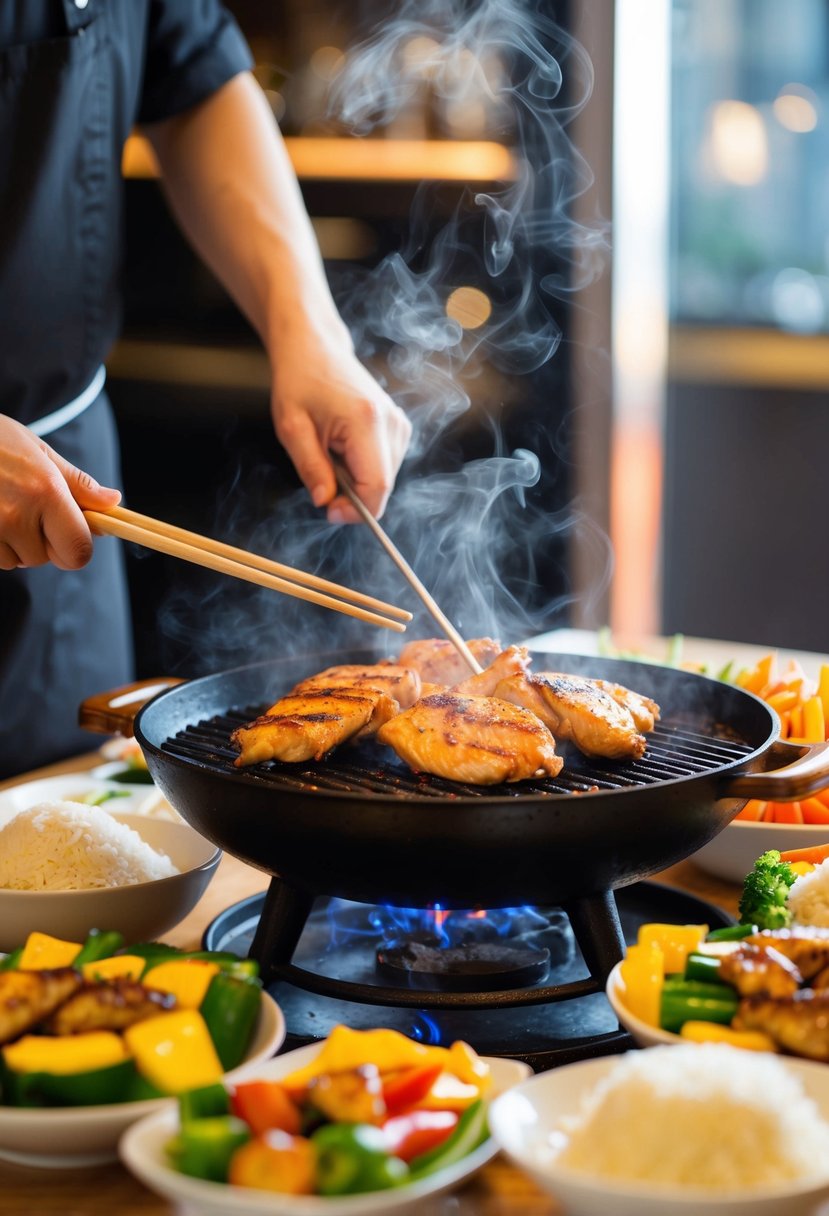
<point>761,984</point>
<point>94,1035</point>
<point>366,1121</point>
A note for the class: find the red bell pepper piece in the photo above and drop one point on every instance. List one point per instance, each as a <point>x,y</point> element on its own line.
<point>406,1088</point>
<point>265,1105</point>
<point>408,1136</point>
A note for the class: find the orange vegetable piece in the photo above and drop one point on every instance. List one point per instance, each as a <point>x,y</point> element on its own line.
<point>814,854</point>
<point>752,812</point>
<point>814,811</point>
<point>823,689</point>
<point>275,1161</point>
<point>264,1105</point>
<point>814,725</point>
<point>787,812</point>
<point>783,700</point>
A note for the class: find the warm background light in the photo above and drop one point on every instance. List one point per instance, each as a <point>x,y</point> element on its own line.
<point>738,143</point>
<point>469,306</point>
<point>795,108</point>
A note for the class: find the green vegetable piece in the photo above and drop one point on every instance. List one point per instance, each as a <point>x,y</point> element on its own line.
<point>471,1131</point>
<point>203,1147</point>
<point>98,1087</point>
<point>132,776</point>
<point>352,1159</point>
<point>230,1009</point>
<point>731,933</point>
<point>99,797</point>
<point>691,1001</point>
<point>724,673</point>
<point>9,963</point>
<point>203,1103</point>
<point>765,891</point>
<point>703,967</point>
<point>97,946</point>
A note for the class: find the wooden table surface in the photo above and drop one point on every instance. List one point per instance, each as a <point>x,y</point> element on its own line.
<point>498,1190</point>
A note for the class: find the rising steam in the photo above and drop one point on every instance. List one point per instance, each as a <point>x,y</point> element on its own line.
<point>476,529</point>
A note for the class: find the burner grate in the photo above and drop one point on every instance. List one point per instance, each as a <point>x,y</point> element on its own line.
<point>675,749</point>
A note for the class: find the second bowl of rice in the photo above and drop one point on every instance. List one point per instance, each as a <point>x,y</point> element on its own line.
<point>66,868</point>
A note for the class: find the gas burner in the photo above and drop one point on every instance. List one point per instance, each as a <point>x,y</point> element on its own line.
<point>319,981</point>
<point>478,966</point>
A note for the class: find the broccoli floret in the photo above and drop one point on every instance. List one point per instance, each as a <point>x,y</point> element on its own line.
<point>765,891</point>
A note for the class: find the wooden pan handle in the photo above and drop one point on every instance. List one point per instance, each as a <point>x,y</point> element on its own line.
<point>113,712</point>
<point>806,773</point>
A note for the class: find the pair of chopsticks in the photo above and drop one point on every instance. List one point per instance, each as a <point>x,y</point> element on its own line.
<point>226,559</point>
<point>347,487</point>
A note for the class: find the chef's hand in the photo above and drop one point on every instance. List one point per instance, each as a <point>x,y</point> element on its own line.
<point>324,400</point>
<point>41,501</point>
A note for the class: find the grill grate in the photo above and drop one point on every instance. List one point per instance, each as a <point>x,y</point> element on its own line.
<point>676,748</point>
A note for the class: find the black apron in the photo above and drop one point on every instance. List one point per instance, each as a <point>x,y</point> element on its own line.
<point>64,634</point>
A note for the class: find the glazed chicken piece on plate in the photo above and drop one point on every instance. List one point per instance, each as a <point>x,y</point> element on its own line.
<point>307,725</point>
<point>438,662</point>
<point>760,969</point>
<point>112,1006</point>
<point>403,684</point>
<point>578,709</point>
<point>26,997</point>
<point>806,946</point>
<point>798,1023</point>
<point>479,740</point>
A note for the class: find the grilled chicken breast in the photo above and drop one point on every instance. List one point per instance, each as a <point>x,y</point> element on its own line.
<point>401,683</point>
<point>27,997</point>
<point>752,969</point>
<point>305,726</point>
<point>643,710</point>
<point>798,1023</point>
<point>479,740</point>
<point>577,709</point>
<point>115,1005</point>
<point>514,661</point>
<point>438,662</point>
<point>805,946</point>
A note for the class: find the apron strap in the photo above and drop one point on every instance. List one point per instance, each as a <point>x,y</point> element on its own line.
<point>60,417</point>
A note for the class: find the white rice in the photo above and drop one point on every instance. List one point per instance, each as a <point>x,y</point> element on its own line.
<point>65,846</point>
<point>707,1116</point>
<point>808,897</point>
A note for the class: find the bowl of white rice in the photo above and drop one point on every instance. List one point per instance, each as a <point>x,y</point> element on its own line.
<point>67,868</point>
<point>674,1131</point>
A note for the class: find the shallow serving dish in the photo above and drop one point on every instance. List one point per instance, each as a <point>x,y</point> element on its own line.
<point>88,1135</point>
<point>642,1033</point>
<point>733,852</point>
<point>523,1120</point>
<point>142,1150</point>
<point>140,911</point>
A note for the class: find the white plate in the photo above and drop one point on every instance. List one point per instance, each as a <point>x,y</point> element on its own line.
<point>133,799</point>
<point>523,1120</point>
<point>88,1135</point>
<point>142,1150</point>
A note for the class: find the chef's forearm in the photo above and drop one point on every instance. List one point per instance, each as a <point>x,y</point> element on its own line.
<point>233,190</point>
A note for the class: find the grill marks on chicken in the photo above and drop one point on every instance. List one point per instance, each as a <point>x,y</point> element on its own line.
<point>480,740</point>
<point>348,702</point>
<point>27,997</point>
<point>577,709</point>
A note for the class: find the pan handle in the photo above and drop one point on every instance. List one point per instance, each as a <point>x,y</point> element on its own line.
<point>114,712</point>
<point>803,770</point>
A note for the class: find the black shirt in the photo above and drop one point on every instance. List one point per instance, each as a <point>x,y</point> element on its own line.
<point>75,77</point>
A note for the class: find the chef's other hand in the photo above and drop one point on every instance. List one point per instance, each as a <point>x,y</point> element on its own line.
<point>42,497</point>
<point>324,400</point>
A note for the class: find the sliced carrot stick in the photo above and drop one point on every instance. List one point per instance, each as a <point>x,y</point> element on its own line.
<point>814,811</point>
<point>787,812</point>
<point>782,700</point>
<point>761,674</point>
<point>814,726</point>
<point>823,796</point>
<point>814,854</point>
<point>785,724</point>
<point>752,812</point>
<point>796,722</point>
<point>823,689</point>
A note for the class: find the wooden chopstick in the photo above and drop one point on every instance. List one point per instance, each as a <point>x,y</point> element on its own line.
<point>345,484</point>
<point>252,567</point>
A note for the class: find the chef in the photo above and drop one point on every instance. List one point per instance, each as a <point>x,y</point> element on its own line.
<point>75,77</point>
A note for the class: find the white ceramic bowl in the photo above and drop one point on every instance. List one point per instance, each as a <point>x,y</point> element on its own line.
<point>642,1033</point>
<point>142,1150</point>
<point>141,911</point>
<point>88,1135</point>
<point>523,1120</point>
<point>733,852</point>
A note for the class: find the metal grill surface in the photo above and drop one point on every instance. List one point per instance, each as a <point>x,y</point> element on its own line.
<point>676,748</point>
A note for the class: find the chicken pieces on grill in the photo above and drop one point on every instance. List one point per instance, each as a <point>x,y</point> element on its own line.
<point>307,725</point>
<point>26,997</point>
<point>480,740</point>
<point>403,684</point>
<point>438,662</point>
<point>578,709</point>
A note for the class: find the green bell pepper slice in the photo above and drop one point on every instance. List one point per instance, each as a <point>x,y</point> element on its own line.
<point>352,1158</point>
<point>692,1001</point>
<point>230,1008</point>
<point>97,946</point>
<point>732,933</point>
<point>97,1087</point>
<point>203,1147</point>
<point>204,1103</point>
<point>703,967</point>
